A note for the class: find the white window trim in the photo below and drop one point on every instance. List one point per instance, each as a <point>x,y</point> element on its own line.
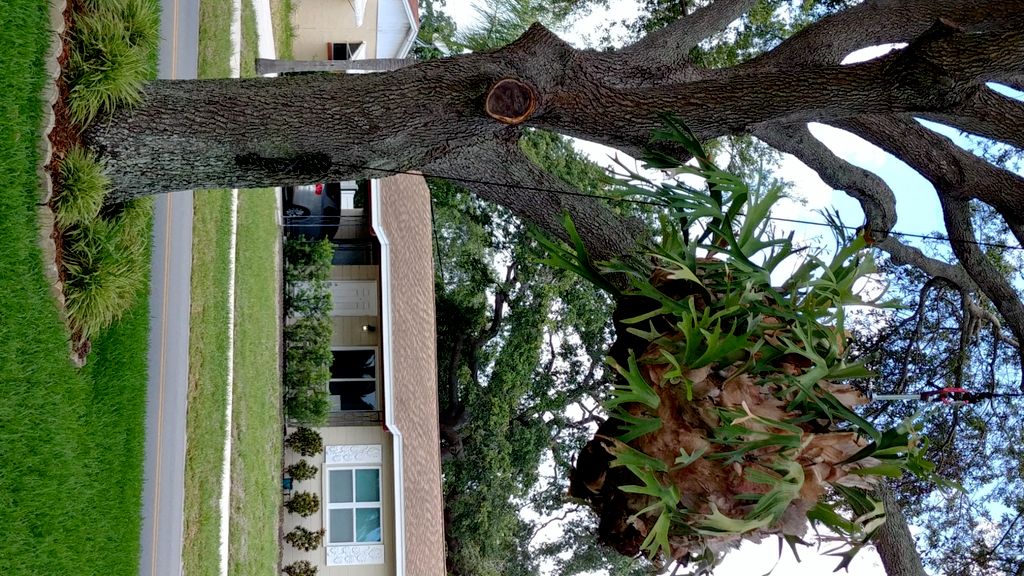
<point>378,504</point>
<point>353,457</point>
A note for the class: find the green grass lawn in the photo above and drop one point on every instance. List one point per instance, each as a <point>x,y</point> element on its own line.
<point>71,441</point>
<point>215,38</point>
<point>207,390</point>
<point>208,332</point>
<point>256,459</point>
<point>250,39</point>
<point>284,34</point>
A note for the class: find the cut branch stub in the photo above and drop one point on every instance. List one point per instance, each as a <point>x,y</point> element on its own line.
<point>511,101</point>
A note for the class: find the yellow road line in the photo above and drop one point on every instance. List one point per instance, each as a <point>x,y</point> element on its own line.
<point>163,327</point>
<point>160,388</point>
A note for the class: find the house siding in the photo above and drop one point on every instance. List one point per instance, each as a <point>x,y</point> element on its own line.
<point>346,436</point>
<point>318,22</point>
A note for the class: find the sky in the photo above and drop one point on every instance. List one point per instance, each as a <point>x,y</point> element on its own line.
<point>918,212</point>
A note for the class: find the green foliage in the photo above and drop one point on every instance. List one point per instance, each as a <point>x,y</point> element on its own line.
<point>307,335</point>
<point>300,568</point>
<point>507,406</point>
<point>762,28</point>
<point>304,504</point>
<point>301,470</point>
<point>503,21</point>
<point>719,243</point>
<point>111,57</point>
<point>83,186</point>
<point>305,441</point>
<point>304,539</point>
<point>106,262</point>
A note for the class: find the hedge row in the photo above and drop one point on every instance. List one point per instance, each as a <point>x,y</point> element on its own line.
<point>307,333</point>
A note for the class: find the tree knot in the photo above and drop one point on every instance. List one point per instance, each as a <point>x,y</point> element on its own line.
<point>511,101</point>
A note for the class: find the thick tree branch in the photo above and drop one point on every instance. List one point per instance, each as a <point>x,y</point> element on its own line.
<point>503,174</point>
<point>989,114</point>
<point>268,66</point>
<point>670,46</point>
<point>893,540</point>
<point>876,22</point>
<point>948,167</point>
<point>904,255</point>
<point>874,195</point>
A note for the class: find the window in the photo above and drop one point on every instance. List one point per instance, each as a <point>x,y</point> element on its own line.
<point>353,384</point>
<point>353,506</point>
<point>343,50</point>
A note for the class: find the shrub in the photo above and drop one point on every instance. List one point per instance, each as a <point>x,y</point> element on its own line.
<point>307,405</point>
<point>308,299</point>
<point>305,540</point>
<point>301,470</point>
<point>305,441</point>
<point>300,568</point>
<point>83,186</point>
<point>106,266</point>
<point>307,360</point>
<point>106,69</point>
<point>303,503</point>
<point>306,260</point>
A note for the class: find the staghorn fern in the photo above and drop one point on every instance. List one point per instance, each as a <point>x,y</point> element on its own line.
<point>742,370</point>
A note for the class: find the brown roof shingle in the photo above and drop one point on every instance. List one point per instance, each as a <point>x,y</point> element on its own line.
<point>405,216</point>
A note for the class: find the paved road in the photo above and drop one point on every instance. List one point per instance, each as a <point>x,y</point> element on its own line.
<point>163,491</point>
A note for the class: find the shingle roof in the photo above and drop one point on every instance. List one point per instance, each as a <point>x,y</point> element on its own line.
<point>405,216</point>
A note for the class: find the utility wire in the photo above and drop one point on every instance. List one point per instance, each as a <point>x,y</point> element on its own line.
<point>659,204</point>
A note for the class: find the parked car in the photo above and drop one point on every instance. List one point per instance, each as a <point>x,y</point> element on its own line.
<point>312,211</point>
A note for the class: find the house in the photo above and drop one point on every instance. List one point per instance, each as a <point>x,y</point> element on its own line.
<point>354,29</point>
<point>379,477</point>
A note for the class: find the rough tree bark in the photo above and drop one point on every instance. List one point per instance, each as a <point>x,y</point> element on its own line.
<point>268,66</point>
<point>433,116</point>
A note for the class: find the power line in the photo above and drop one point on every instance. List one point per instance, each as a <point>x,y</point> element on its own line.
<point>907,234</point>
<point>659,204</point>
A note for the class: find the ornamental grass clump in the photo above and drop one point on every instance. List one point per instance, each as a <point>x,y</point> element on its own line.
<point>111,57</point>
<point>83,185</point>
<point>106,265</point>
<point>727,419</point>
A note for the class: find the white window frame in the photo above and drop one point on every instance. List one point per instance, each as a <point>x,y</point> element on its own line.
<point>378,504</point>
<point>376,375</point>
<point>353,457</point>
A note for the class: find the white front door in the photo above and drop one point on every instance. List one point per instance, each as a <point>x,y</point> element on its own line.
<point>353,297</point>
